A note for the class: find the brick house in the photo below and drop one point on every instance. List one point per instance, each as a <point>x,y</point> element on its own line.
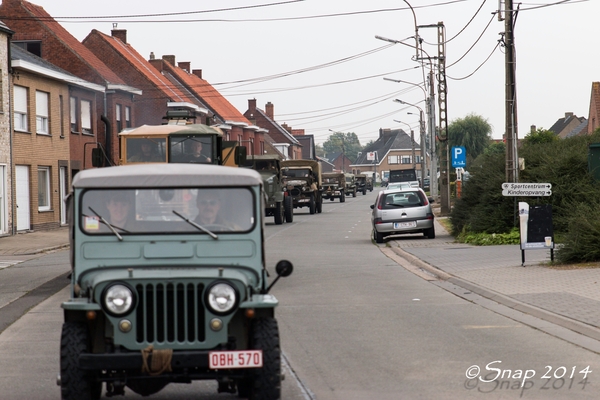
<point>283,140</point>
<point>306,141</point>
<point>6,170</point>
<point>40,139</point>
<point>93,120</point>
<point>393,150</point>
<point>570,125</point>
<point>594,112</point>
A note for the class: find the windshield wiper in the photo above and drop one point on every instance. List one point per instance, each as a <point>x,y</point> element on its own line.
<point>111,227</point>
<point>195,225</point>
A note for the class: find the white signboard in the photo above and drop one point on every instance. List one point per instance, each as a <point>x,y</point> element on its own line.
<point>371,156</point>
<point>526,189</point>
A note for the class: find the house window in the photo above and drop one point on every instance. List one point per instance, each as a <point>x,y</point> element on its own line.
<point>118,117</point>
<point>127,117</point>
<point>41,112</point>
<point>86,117</point>
<point>43,188</point>
<point>73,113</point>
<point>393,160</point>
<point>405,159</point>
<point>418,159</point>
<point>20,108</point>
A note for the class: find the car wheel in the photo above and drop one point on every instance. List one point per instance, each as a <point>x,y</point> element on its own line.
<point>430,233</point>
<point>378,236</point>
<point>312,204</point>
<point>75,383</point>
<point>288,208</point>
<point>278,213</point>
<point>266,381</point>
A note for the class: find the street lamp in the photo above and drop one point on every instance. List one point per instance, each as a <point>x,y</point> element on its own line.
<point>412,141</point>
<point>422,126</point>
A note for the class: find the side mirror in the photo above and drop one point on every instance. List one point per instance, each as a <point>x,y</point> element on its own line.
<point>283,268</point>
<point>240,155</point>
<point>372,206</point>
<point>431,199</point>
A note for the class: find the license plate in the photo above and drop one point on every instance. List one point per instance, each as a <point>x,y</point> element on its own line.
<point>235,359</point>
<point>411,224</point>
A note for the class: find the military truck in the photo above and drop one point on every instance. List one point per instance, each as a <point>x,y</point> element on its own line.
<point>303,183</point>
<point>350,184</point>
<point>361,183</point>
<point>178,291</point>
<point>334,186</point>
<point>277,201</point>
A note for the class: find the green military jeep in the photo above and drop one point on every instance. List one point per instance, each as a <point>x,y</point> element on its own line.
<point>277,203</point>
<point>303,183</point>
<point>168,283</point>
<point>350,184</point>
<point>361,183</point>
<point>334,184</point>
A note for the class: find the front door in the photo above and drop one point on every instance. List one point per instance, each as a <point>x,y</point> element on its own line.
<point>23,202</point>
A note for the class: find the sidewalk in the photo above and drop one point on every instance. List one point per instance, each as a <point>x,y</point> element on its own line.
<point>567,297</point>
<point>34,242</point>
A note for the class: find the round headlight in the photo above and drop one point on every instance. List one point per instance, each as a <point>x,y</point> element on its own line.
<point>222,298</point>
<point>118,299</point>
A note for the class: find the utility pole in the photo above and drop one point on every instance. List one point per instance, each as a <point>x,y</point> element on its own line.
<point>433,181</point>
<point>512,164</point>
<point>443,133</point>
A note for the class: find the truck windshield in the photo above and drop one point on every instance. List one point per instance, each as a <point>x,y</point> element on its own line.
<point>135,211</point>
<point>191,149</point>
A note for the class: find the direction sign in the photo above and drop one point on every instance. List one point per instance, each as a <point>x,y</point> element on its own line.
<point>459,157</point>
<point>526,189</point>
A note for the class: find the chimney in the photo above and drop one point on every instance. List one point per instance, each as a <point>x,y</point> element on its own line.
<point>152,57</point>
<point>533,128</point>
<point>298,132</point>
<point>158,64</point>
<point>269,110</point>
<point>184,66</point>
<point>170,59</point>
<point>568,115</point>
<point>286,127</point>
<point>120,34</point>
<point>252,105</point>
<point>198,73</point>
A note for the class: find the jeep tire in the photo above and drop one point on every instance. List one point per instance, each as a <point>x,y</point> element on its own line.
<point>319,204</point>
<point>312,204</point>
<point>343,197</point>
<point>75,384</point>
<point>265,382</point>
<point>278,213</point>
<point>288,208</point>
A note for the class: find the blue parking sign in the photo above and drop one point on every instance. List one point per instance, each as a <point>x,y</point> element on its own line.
<point>459,157</point>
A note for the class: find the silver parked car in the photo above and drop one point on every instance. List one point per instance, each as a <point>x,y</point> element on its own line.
<point>400,211</point>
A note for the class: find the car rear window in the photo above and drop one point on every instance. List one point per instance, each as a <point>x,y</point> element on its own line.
<point>401,200</point>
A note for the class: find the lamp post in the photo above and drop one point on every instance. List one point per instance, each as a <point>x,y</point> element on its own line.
<point>422,125</point>
<point>412,141</point>
<point>430,102</point>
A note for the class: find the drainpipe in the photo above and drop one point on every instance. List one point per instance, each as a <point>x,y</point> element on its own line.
<point>108,142</point>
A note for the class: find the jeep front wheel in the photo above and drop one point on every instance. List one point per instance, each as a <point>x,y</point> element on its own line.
<point>343,197</point>
<point>288,208</point>
<point>278,213</point>
<point>312,204</point>
<point>75,384</point>
<point>266,381</point>
<point>319,205</point>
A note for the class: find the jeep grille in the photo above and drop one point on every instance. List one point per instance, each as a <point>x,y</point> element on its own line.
<point>170,312</point>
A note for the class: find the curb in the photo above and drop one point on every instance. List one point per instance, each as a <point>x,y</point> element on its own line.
<point>545,315</point>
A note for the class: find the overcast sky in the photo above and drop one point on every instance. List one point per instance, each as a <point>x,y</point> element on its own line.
<point>319,63</point>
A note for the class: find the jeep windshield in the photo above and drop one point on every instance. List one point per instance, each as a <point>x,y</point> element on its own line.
<point>297,173</point>
<point>168,210</point>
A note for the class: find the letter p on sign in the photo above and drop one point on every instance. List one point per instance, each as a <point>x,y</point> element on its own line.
<point>459,157</point>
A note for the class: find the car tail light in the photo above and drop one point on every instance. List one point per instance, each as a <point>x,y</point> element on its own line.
<point>377,221</point>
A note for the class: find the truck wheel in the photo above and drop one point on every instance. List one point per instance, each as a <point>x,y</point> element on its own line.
<point>266,381</point>
<point>364,192</point>
<point>343,197</point>
<point>319,205</point>
<point>288,208</point>
<point>312,204</point>
<point>278,213</point>
<point>75,384</point>
<point>354,193</point>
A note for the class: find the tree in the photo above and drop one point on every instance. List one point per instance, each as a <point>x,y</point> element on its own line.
<point>539,136</point>
<point>473,132</point>
<point>320,152</point>
<point>346,143</point>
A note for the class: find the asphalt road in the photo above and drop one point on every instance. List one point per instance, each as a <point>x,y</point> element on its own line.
<point>354,325</point>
